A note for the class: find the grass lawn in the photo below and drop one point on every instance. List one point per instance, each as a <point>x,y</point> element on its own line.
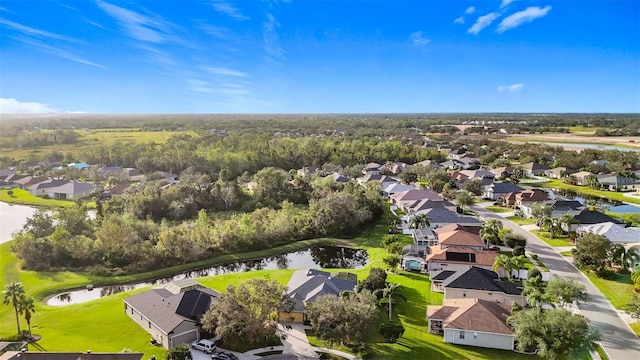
<point>544,236</point>
<point>635,217</point>
<point>520,221</point>
<point>559,184</point>
<point>618,291</point>
<point>636,327</point>
<point>566,253</point>
<point>21,196</point>
<point>74,327</point>
<point>498,209</point>
<point>601,352</point>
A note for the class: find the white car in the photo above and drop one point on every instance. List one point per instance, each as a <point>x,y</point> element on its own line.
<point>207,346</point>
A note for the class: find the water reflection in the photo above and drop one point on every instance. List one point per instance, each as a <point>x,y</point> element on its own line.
<point>605,204</point>
<point>316,257</point>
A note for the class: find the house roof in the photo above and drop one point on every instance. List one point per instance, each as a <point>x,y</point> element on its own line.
<point>443,275</point>
<point>424,194</point>
<point>397,187</point>
<point>534,166</point>
<point>118,189</point>
<point>503,188</point>
<point>501,170</point>
<point>132,171</point>
<point>478,173</point>
<point>560,170</point>
<point>340,178</point>
<point>475,229</point>
<point>533,195</point>
<point>372,166</point>
<point>613,232</point>
<point>565,205</point>
<point>51,183</point>
<point>462,255</point>
<point>593,217</point>
<point>376,177</point>
<point>72,187</point>
<point>418,205</point>
<point>32,180</point>
<point>167,309</point>
<point>472,315</point>
<point>444,216</point>
<point>426,163</point>
<point>307,285</point>
<point>459,238</point>
<point>469,160</point>
<point>581,174</point>
<point>36,355</point>
<point>485,280</point>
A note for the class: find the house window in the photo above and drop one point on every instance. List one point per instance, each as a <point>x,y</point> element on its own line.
<point>475,336</point>
<point>149,324</point>
<point>131,311</point>
<point>489,294</point>
<point>461,335</point>
<point>464,294</point>
<point>141,317</point>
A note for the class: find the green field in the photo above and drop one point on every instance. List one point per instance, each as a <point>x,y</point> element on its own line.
<point>106,137</point>
<point>618,291</point>
<point>74,327</point>
<point>23,197</point>
<point>498,209</point>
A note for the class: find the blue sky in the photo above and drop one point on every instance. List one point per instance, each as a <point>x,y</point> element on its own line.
<point>300,56</point>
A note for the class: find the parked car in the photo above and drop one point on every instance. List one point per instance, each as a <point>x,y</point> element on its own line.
<point>205,345</point>
<point>223,355</point>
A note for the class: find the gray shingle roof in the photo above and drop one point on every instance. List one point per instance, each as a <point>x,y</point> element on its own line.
<point>480,279</point>
<point>307,285</point>
<point>443,275</point>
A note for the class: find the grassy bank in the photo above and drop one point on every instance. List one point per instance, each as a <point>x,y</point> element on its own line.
<point>23,197</point>
<point>618,290</point>
<point>544,236</point>
<point>636,327</point>
<point>611,195</point>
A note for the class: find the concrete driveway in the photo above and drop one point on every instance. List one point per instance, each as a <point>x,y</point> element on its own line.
<point>618,341</point>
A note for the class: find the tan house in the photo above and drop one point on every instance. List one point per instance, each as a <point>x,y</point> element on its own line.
<point>483,284</point>
<point>460,238</point>
<point>307,285</point>
<point>458,258</point>
<point>580,177</point>
<point>171,312</point>
<point>472,322</point>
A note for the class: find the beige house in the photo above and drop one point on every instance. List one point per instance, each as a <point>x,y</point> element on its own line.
<point>171,312</point>
<point>472,322</point>
<point>484,284</point>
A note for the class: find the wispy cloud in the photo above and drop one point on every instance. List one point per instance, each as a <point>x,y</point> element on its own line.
<point>418,38</point>
<point>511,88</point>
<point>505,3</point>
<point>271,39</point>
<point>13,106</point>
<point>217,31</point>
<point>229,10</point>
<point>470,10</point>
<point>482,22</point>
<point>26,30</point>
<point>90,22</point>
<point>58,51</point>
<point>522,17</point>
<point>139,26</point>
<point>225,72</point>
<point>459,20</point>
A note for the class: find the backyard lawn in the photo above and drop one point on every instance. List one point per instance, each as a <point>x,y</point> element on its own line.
<point>544,236</point>
<point>618,291</point>
<point>21,196</point>
<point>520,221</point>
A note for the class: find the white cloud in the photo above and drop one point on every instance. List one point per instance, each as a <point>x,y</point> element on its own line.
<point>470,10</point>
<point>418,38</point>
<point>522,17</point>
<point>271,39</point>
<point>35,32</point>
<point>57,51</point>
<point>482,22</point>
<point>13,106</point>
<point>228,10</point>
<point>511,88</point>
<point>226,72</point>
<point>138,26</point>
<point>505,3</point>
<point>459,20</point>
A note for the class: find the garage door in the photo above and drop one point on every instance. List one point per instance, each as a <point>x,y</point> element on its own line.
<point>186,338</point>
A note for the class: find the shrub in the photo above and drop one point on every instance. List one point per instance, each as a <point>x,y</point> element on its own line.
<point>179,352</point>
<point>513,240</point>
<point>10,192</point>
<point>518,250</point>
<point>391,331</point>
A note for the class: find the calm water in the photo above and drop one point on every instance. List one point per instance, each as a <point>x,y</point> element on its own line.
<point>578,146</point>
<point>609,205</point>
<point>316,257</point>
<point>12,218</point>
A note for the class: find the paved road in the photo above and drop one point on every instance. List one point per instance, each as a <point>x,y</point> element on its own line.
<point>617,339</point>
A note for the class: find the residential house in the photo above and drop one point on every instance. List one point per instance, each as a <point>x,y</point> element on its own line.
<point>525,200</point>
<point>428,163</point>
<point>472,322</point>
<point>308,171</point>
<point>56,355</point>
<point>600,163</point>
<point>478,174</point>
<point>42,188</point>
<point>439,217</point>
<point>484,284</point>
<point>452,164</point>
<point>171,312</point>
<point>307,285</point>
<point>469,162</point>
<point>397,167</point>
<point>456,154</point>
<point>474,228</point>
<point>534,169</point>
<point>371,168</point>
<point>439,278</point>
<point>561,207</point>
<point>559,172</point>
<point>503,172</point>
<point>370,177</point>
<point>4,174</point>
<point>459,250</point>
<point>459,238</point>
<point>581,177</point>
<point>115,190</point>
<point>495,190</point>
<point>29,181</point>
<point>613,182</point>
<point>616,233</point>
<point>590,217</point>
<point>71,190</point>
<point>410,197</point>
<point>394,188</point>
<point>134,174</point>
<point>414,258</point>
<point>340,178</point>
<point>110,170</point>
<point>418,205</point>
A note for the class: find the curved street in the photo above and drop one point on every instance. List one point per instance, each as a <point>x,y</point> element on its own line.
<point>618,341</point>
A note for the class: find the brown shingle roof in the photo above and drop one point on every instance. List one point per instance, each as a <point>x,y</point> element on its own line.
<point>483,258</point>
<point>472,315</point>
<point>454,227</point>
<point>424,194</point>
<point>459,237</point>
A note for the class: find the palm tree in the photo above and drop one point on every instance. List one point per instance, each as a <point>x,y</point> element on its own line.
<point>490,232</point>
<point>503,262</point>
<point>565,222</point>
<point>27,305</point>
<point>635,277</point>
<point>546,224</point>
<point>534,290</point>
<point>518,262</point>
<point>419,221</point>
<point>13,293</point>
<point>623,257</point>
<point>390,292</point>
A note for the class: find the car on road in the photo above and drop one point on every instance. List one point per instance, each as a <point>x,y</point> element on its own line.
<point>207,346</point>
<point>223,355</point>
